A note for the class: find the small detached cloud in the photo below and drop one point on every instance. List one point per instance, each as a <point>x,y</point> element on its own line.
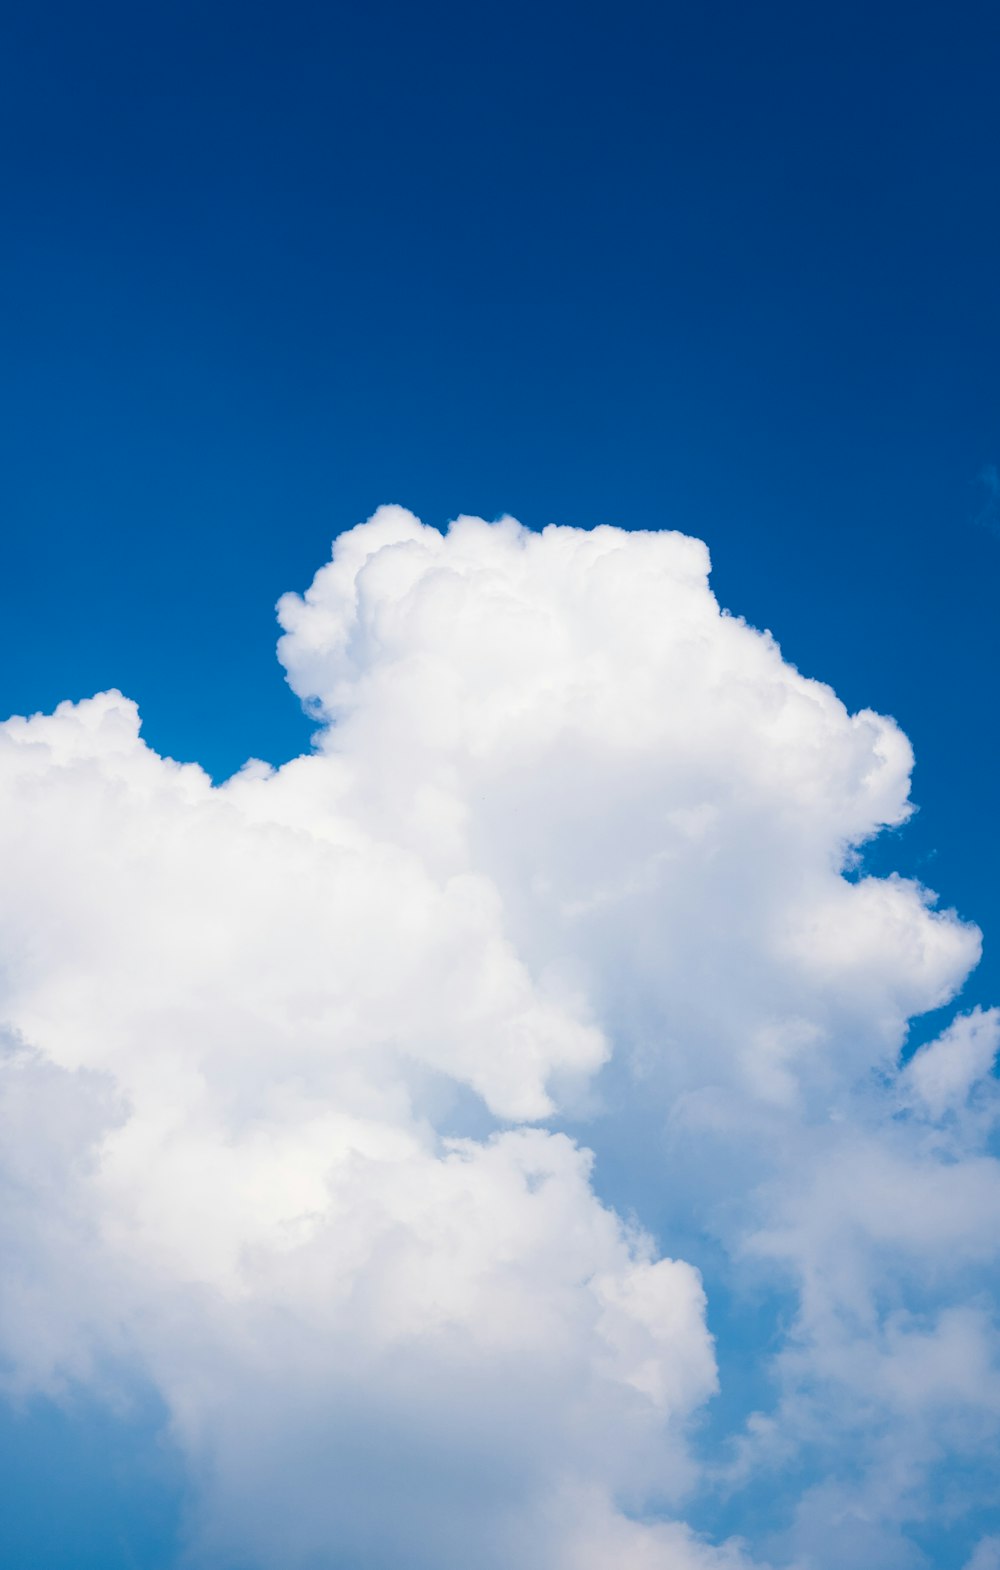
<point>943,1075</point>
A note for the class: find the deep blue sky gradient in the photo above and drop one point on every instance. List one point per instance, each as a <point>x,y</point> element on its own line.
<point>733,269</point>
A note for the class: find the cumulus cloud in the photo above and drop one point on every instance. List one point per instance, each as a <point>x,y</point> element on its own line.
<point>302,1071</point>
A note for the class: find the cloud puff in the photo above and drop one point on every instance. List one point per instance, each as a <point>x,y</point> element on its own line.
<point>944,1074</point>
<point>573,843</point>
<point>986,1555</point>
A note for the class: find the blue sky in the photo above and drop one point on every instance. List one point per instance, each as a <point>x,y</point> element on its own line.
<point>726,270</point>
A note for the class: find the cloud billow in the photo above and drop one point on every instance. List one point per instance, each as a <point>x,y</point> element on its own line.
<point>286,1058</point>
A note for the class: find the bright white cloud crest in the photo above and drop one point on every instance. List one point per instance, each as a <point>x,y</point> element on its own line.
<point>572,844</point>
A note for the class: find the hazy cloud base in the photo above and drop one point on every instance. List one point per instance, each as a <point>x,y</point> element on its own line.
<point>283,1059</point>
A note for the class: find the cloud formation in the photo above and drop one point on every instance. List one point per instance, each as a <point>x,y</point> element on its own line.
<point>299,1071</point>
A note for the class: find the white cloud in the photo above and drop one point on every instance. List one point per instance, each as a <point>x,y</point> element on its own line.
<point>943,1073</point>
<point>986,1555</point>
<point>573,841</point>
